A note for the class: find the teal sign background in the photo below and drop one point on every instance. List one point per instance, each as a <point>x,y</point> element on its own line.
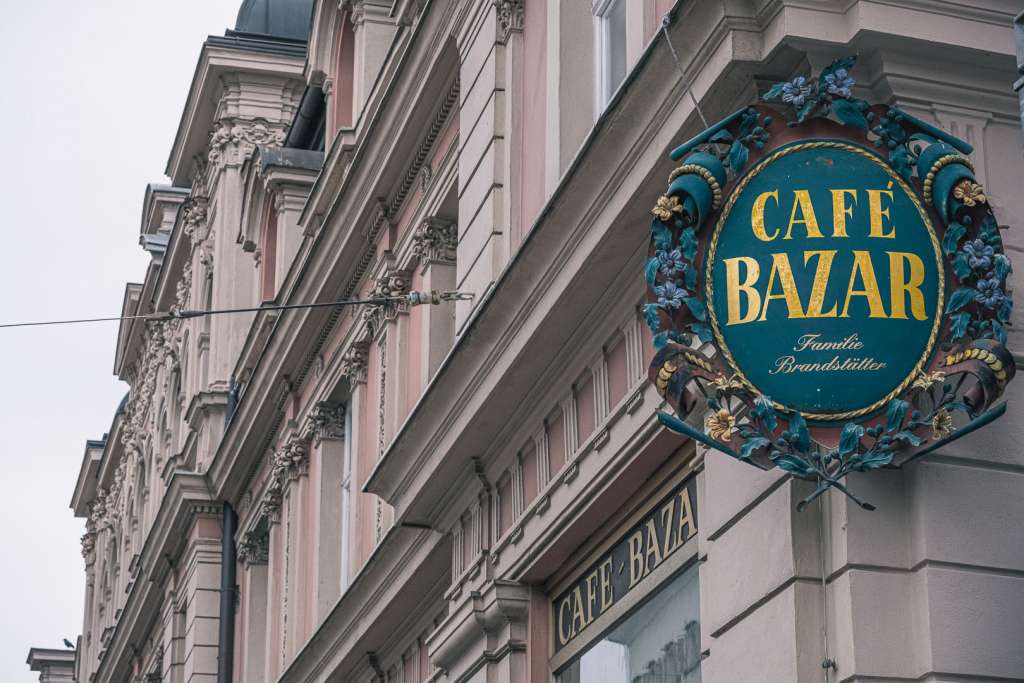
<point>825,367</point>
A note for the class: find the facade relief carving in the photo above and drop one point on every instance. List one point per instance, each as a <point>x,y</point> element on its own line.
<point>435,241</point>
<point>254,548</point>
<point>233,139</point>
<point>393,283</point>
<point>353,364</point>
<point>510,16</point>
<point>328,420</point>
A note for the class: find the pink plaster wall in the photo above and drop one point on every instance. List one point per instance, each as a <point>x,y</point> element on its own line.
<point>344,71</point>
<point>530,480</point>
<point>584,396</point>
<point>556,442</point>
<point>615,358</point>
<point>532,138</point>
<point>506,511</point>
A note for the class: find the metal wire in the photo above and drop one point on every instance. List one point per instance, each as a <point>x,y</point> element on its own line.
<point>412,298</point>
<point>666,21</point>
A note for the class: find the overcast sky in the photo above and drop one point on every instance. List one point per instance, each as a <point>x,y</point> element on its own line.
<point>92,94</point>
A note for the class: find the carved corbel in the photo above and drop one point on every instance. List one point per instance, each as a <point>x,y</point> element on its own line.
<point>510,16</point>
<point>353,363</point>
<point>327,421</point>
<point>393,283</point>
<point>435,241</point>
<point>254,548</point>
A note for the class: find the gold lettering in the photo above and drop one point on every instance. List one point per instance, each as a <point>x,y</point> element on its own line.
<point>780,265</point>
<point>577,611</point>
<point>902,287</point>
<point>821,274</point>
<point>668,514</point>
<point>802,201</point>
<point>607,590</point>
<point>862,265</point>
<point>757,216</point>
<point>685,518</point>
<point>734,288</point>
<point>591,594</point>
<point>636,558</point>
<point>653,548</point>
<point>877,213</point>
<point>563,635</point>
<point>840,211</point>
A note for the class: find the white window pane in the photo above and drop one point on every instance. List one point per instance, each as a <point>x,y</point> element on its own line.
<point>616,45</point>
<point>658,643</point>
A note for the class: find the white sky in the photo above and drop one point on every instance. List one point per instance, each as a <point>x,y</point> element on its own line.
<point>92,93</point>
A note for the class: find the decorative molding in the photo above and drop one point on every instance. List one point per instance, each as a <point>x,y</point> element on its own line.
<point>327,420</point>
<point>392,283</point>
<point>194,220</point>
<point>435,241</point>
<point>353,364</point>
<point>510,16</point>
<point>233,139</point>
<point>444,111</point>
<point>254,548</point>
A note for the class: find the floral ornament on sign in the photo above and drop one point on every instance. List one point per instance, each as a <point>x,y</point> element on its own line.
<point>954,393</point>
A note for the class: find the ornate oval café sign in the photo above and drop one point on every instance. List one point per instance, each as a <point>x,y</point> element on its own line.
<point>827,281</point>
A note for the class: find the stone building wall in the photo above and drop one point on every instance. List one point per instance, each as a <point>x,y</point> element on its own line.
<point>415,485</point>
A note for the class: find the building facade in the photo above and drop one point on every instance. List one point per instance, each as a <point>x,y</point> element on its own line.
<point>478,489</point>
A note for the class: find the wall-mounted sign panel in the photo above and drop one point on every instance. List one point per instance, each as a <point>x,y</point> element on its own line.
<point>649,544</point>
<point>829,281</point>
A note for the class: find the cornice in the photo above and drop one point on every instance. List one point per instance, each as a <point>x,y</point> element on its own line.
<point>201,106</point>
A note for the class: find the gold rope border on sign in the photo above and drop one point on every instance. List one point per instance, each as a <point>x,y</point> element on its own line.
<point>940,267</point>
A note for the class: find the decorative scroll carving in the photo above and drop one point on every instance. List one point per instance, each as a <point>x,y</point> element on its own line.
<point>254,548</point>
<point>353,364</point>
<point>510,15</point>
<point>435,240</point>
<point>233,140</point>
<point>328,420</point>
<point>194,219</point>
<point>392,284</point>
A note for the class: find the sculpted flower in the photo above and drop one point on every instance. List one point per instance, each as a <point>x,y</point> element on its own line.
<point>969,193</point>
<point>979,255</point>
<point>721,383</point>
<point>796,91</point>
<point>666,206</point>
<point>670,295</point>
<point>671,262</point>
<point>839,83</point>
<point>926,379</point>
<point>720,425</point>
<point>942,424</point>
<point>987,293</point>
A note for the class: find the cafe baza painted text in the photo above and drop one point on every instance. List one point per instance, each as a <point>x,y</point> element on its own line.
<point>828,277</point>
<point>657,536</point>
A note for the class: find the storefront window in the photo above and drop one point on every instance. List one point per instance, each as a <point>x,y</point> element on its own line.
<point>658,643</point>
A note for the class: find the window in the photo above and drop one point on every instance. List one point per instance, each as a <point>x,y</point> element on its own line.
<point>658,643</point>
<point>610,36</point>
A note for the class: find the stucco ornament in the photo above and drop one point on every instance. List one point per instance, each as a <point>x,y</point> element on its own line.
<point>861,375</point>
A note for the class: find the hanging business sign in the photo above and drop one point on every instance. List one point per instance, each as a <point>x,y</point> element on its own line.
<point>830,279</point>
